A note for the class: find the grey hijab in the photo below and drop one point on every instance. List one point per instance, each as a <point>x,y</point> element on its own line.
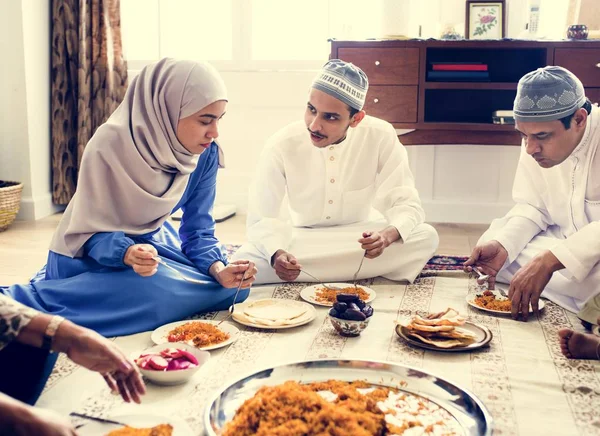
<point>134,169</point>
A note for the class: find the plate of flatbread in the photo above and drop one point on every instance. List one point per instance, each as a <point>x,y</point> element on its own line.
<point>274,313</point>
<point>445,331</point>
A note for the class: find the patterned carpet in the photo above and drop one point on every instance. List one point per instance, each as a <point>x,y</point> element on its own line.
<point>437,265</point>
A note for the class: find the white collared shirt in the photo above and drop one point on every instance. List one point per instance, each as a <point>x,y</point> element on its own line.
<point>563,201</point>
<point>331,186</point>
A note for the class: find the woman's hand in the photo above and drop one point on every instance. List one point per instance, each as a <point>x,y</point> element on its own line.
<point>19,419</point>
<point>96,353</point>
<point>230,276</point>
<point>141,258</point>
<point>43,422</point>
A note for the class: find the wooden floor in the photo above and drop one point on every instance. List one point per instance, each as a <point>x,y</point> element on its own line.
<point>23,247</point>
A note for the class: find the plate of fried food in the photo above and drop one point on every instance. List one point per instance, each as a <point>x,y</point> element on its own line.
<point>137,425</point>
<point>274,313</point>
<point>205,335</point>
<point>444,331</point>
<point>325,296</point>
<point>345,397</point>
<point>495,301</point>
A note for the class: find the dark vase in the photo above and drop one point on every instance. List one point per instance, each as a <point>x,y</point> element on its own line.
<point>577,31</point>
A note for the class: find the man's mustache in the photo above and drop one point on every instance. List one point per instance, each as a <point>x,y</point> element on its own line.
<point>318,135</point>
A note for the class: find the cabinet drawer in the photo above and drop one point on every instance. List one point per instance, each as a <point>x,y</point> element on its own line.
<point>593,94</point>
<point>385,66</point>
<point>396,104</point>
<point>583,62</point>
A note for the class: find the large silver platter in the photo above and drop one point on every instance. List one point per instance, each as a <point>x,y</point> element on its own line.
<point>466,408</point>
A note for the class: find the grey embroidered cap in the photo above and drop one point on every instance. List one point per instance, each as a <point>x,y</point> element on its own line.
<point>548,94</point>
<point>344,81</point>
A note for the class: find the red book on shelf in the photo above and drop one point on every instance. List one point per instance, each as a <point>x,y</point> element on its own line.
<point>459,67</point>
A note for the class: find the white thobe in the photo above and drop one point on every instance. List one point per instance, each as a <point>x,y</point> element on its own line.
<point>316,202</point>
<point>557,209</point>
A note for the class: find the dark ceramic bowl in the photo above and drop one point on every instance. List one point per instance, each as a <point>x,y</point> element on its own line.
<point>577,31</point>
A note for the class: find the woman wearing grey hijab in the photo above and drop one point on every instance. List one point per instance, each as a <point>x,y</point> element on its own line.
<point>154,155</point>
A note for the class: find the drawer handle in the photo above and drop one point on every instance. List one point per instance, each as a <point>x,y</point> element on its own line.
<point>375,100</point>
<point>378,63</point>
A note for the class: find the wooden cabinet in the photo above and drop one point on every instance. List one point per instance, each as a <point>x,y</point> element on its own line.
<point>457,112</point>
<point>593,94</point>
<point>386,66</point>
<point>397,104</point>
<point>583,62</point>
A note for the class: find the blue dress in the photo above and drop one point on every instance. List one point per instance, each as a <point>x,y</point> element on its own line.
<point>100,292</point>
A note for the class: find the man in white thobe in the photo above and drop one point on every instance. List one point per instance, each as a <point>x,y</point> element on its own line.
<point>334,189</point>
<point>549,244</point>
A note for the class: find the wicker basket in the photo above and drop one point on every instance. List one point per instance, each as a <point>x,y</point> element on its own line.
<point>10,201</point>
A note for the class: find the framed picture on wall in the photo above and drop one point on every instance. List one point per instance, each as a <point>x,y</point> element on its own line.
<point>485,19</point>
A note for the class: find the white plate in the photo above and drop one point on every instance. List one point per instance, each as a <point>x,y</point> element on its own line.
<point>305,318</point>
<point>310,293</point>
<point>93,428</point>
<point>499,296</point>
<point>161,334</point>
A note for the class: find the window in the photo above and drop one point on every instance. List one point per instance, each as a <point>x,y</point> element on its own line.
<point>285,30</point>
<point>244,34</point>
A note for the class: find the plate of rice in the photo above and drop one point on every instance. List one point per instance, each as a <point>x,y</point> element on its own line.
<point>345,397</point>
<point>323,296</point>
<point>205,334</point>
<point>495,301</point>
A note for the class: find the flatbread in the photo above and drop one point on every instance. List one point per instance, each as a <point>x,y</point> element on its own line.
<point>267,311</point>
<point>441,331</point>
<point>267,322</point>
<point>449,317</point>
<point>441,343</point>
<point>430,328</point>
<point>457,333</point>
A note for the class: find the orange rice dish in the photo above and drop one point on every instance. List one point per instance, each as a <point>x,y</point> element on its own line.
<point>326,295</point>
<point>200,333</point>
<point>293,409</point>
<point>488,300</point>
<point>159,430</point>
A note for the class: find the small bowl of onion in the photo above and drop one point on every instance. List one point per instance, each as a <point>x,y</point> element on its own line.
<point>170,364</point>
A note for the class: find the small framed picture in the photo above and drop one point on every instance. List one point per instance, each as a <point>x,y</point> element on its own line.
<point>485,19</point>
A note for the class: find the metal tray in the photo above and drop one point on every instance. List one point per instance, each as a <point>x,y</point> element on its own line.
<point>465,407</point>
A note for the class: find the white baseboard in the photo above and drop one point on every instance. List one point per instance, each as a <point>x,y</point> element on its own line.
<point>436,211</point>
<point>37,208</point>
<point>464,213</point>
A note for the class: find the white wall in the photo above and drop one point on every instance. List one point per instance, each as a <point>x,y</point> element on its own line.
<point>25,102</point>
<point>14,137</point>
<point>457,183</point>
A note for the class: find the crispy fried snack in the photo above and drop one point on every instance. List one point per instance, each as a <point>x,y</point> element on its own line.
<point>158,430</point>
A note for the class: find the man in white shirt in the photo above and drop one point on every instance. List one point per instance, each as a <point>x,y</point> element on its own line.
<point>549,244</point>
<point>335,169</point>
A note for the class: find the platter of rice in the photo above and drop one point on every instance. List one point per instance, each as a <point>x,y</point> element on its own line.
<point>345,397</point>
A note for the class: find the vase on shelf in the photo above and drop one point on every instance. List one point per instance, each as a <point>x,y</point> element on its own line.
<point>577,31</point>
